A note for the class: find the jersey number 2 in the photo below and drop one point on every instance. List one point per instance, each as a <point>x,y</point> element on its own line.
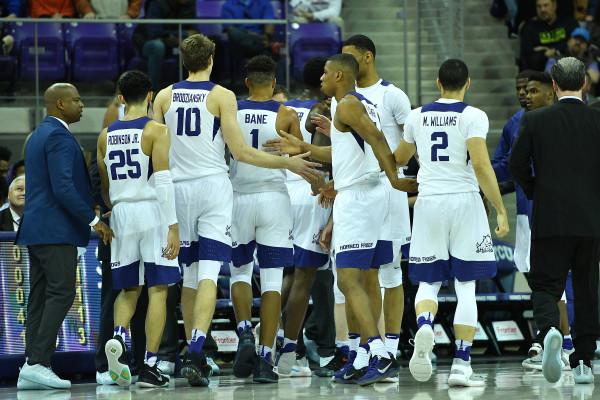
<point>435,136</point>
<point>184,121</point>
<point>124,157</point>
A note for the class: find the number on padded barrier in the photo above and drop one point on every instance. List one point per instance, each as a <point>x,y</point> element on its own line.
<point>184,121</point>
<point>124,158</point>
<point>439,145</point>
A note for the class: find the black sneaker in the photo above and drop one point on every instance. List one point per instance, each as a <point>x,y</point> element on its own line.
<point>351,375</point>
<point>380,368</point>
<point>263,372</point>
<point>340,358</point>
<point>118,361</point>
<point>245,357</point>
<point>196,370</point>
<point>152,377</point>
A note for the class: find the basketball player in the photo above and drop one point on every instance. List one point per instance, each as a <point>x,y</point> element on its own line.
<point>133,161</point>
<point>392,106</point>
<point>451,237</point>
<point>202,119</point>
<point>358,152</point>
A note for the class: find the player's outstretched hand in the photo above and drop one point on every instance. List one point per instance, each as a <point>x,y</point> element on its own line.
<point>306,169</point>
<point>325,238</point>
<point>408,185</point>
<point>322,123</point>
<point>172,250</point>
<point>104,231</point>
<point>502,228</point>
<point>285,144</point>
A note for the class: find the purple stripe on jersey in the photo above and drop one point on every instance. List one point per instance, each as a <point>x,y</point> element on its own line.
<point>243,254</point>
<point>127,276</point>
<point>161,274</point>
<point>268,105</point>
<point>202,85</point>
<point>361,259</point>
<point>296,103</point>
<point>216,127</point>
<point>457,107</point>
<point>384,253</point>
<point>309,259</point>
<point>274,257</point>
<point>385,83</point>
<point>359,140</point>
<point>361,97</point>
<point>138,123</point>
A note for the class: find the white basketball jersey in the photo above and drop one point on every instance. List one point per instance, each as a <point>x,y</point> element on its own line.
<point>393,107</point>
<point>129,169</point>
<point>257,121</point>
<point>441,130</point>
<point>302,108</point>
<point>197,145</point>
<point>353,160</point>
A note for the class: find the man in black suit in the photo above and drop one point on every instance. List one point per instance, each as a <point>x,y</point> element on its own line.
<point>10,217</point>
<point>558,145</point>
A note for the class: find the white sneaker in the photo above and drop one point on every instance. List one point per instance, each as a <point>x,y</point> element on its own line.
<point>216,370</point>
<point>420,362</point>
<point>301,368</point>
<point>461,374</point>
<point>583,374</point>
<point>552,364</point>
<point>534,350</point>
<point>117,361</point>
<point>41,375</point>
<point>166,367</point>
<point>534,363</point>
<point>285,363</point>
<point>24,384</point>
<point>103,378</point>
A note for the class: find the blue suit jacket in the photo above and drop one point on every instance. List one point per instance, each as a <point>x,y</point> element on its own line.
<point>59,203</point>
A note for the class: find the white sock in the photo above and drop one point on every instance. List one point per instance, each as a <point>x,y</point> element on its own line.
<point>377,348</point>
<point>391,343</point>
<point>242,325</point>
<point>362,358</point>
<point>280,333</point>
<point>354,342</point>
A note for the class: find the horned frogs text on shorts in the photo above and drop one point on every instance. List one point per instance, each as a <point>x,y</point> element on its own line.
<point>261,205</point>
<point>451,236</point>
<point>140,235</point>
<point>361,207</point>
<point>203,193</point>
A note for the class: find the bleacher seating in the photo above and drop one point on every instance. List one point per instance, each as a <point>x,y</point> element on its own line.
<point>209,9</point>
<point>92,50</point>
<point>312,40</point>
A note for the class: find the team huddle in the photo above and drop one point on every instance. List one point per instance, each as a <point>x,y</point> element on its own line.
<point>204,183</point>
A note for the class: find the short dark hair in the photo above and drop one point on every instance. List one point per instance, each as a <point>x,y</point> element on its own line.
<point>5,153</point>
<point>196,50</point>
<point>541,77</point>
<point>453,74</point>
<point>261,69</point>
<point>313,70</point>
<point>3,189</point>
<point>525,74</point>
<point>134,86</point>
<point>361,42</point>
<point>347,61</point>
<point>569,73</point>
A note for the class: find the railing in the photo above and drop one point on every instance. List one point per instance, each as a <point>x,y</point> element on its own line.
<point>439,23</point>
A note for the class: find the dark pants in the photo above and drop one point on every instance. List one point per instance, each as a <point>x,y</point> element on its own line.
<point>320,324</point>
<point>551,260</point>
<point>52,291</point>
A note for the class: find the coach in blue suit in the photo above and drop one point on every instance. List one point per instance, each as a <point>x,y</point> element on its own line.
<point>57,218</point>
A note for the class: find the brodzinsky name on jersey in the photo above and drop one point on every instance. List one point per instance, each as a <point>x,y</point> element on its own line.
<point>439,120</point>
<point>189,97</point>
<point>122,139</point>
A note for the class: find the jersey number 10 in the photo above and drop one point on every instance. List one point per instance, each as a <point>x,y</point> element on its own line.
<point>439,145</point>
<point>184,121</point>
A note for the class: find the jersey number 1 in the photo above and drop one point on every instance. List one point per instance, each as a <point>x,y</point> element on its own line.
<point>254,134</point>
<point>184,121</point>
<point>435,136</point>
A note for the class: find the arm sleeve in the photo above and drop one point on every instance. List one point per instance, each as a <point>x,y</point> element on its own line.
<point>477,123</point>
<point>501,155</point>
<point>333,10</point>
<point>410,126</point>
<point>520,158</point>
<point>60,154</point>
<point>133,10</point>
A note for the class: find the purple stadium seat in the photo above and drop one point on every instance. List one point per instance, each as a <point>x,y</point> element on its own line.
<point>51,50</point>
<point>93,51</point>
<point>312,40</point>
<point>210,9</point>
<point>126,49</point>
<point>279,12</point>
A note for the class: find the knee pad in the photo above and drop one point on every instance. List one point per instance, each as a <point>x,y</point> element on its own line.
<point>337,293</point>
<point>466,306</point>
<point>241,274</point>
<point>190,276</point>
<point>390,275</point>
<point>271,280</point>
<point>209,270</point>
<point>428,291</point>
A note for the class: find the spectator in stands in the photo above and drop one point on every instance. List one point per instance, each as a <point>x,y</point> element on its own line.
<point>156,41</point>
<point>124,9</point>
<point>3,193</point>
<point>10,218</point>
<point>544,36</point>
<point>5,155</point>
<point>16,170</point>
<point>578,47</point>
<point>249,39</point>
<point>11,8</point>
<point>61,8</point>
<point>280,94</point>
<point>317,11</point>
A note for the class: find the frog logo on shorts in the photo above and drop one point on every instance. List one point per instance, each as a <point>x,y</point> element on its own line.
<point>485,246</point>
<point>228,230</point>
<point>291,235</point>
<point>316,237</point>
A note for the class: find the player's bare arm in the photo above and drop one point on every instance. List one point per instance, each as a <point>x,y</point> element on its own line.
<point>288,121</point>
<point>404,152</point>
<point>162,102</point>
<point>486,178</point>
<point>351,115</point>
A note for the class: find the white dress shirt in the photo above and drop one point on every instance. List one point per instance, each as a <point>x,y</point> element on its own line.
<point>16,219</point>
